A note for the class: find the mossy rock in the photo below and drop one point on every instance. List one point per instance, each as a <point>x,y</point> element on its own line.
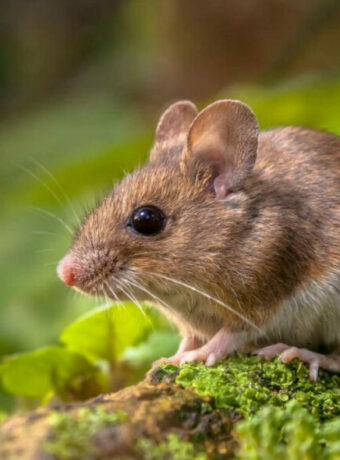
<point>242,408</point>
<point>245,384</point>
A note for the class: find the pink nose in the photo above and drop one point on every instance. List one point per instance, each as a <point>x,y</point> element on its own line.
<point>66,270</point>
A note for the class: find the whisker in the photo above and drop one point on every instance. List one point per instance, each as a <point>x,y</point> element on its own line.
<point>112,292</point>
<point>131,297</point>
<point>41,182</point>
<point>208,296</point>
<point>67,198</point>
<point>41,233</point>
<point>96,300</point>
<point>44,233</point>
<point>151,294</point>
<point>111,350</point>
<point>108,301</point>
<point>53,216</point>
<point>156,298</point>
<point>52,263</point>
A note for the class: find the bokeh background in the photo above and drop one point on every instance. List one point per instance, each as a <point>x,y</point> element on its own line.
<point>82,84</point>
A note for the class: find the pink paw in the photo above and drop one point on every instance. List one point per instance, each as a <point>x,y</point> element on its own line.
<point>269,352</point>
<point>315,360</point>
<point>200,356</point>
<point>216,349</point>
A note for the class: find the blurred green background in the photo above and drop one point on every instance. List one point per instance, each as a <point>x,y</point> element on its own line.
<point>82,83</point>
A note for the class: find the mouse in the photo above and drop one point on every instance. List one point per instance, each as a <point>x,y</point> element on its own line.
<point>232,232</point>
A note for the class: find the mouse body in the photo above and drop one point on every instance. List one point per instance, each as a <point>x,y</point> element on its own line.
<point>232,233</point>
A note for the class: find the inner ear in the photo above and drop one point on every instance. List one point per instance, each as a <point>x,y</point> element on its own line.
<point>222,145</point>
<point>173,127</point>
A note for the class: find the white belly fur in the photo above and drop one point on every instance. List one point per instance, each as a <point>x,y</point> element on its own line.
<point>311,318</point>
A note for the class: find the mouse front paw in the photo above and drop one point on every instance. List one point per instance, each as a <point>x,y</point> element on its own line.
<point>216,349</point>
<point>198,355</point>
<point>287,353</point>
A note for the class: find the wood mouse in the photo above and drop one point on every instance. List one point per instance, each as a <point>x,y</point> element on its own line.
<point>232,233</point>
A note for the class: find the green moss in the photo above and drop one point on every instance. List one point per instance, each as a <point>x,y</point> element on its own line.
<point>289,433</point>
<point>73,432</point>
<point>286,416</point>
<point>246,384</point>
<point>173,448</point>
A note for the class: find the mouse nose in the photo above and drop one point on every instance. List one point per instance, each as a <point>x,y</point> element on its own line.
<point>66,270</point>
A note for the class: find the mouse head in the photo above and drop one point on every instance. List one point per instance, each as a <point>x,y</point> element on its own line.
<point>169,219</point>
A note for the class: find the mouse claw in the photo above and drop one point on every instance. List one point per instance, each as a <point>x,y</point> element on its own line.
<point>211,360</point>
<point>314,360</point>
<point>156,364</point>
<point>216,349</point>
<point>197,356</point>
<point>306,356</point>
<point>269,352</point>
<point>191,356</point>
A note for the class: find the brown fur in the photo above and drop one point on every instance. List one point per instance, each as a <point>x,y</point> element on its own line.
<point>274,233</point>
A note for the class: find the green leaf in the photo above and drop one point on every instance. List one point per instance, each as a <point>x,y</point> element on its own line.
<point>157,345</point>
<point>107,331</point>
<point>49,370</point>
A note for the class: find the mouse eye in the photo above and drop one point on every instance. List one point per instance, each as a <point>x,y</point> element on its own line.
<point>147,220</point>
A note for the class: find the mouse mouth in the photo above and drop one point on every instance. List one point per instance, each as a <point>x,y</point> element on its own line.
<point>105,285</point>
<point>108,283</point>
<point>127,285</point>
<point>90,274</point>
<point>102,275</point>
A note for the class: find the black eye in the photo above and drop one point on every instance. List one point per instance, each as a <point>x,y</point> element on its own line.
<point>147,220</point>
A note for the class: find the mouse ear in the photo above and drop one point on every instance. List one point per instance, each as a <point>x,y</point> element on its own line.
<point>222,145</point>
<point>173,127</point>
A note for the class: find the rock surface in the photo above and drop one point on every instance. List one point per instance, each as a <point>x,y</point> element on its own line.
<point>181,414</point>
